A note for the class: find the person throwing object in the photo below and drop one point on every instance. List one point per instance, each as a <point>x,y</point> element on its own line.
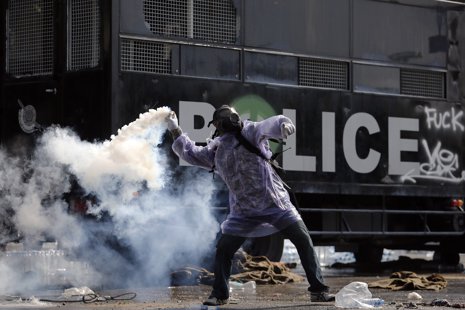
<point>239,153</point>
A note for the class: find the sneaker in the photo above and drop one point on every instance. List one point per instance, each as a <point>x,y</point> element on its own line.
<point>213,301</point>
<point>322,297</point>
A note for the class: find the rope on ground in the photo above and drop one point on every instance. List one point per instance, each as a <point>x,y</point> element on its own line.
<point>408,280</point>
<point>245,268</point>
<point>263,271</point>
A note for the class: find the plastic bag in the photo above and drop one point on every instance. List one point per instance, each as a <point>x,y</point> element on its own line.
<point>248,287</point>
<point>77,291</point>
<point>357,295</point>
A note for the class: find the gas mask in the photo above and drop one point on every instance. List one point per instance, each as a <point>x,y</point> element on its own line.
<point>225,119</point>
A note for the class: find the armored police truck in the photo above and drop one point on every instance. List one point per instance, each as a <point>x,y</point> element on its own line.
<point>376,89</point>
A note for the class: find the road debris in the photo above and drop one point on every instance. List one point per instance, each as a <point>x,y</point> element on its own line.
<point>408,280</point>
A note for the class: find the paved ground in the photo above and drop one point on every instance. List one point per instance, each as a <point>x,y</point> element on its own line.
<point>289,296</point>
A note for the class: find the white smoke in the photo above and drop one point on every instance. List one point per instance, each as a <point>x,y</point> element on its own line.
<point>141,220</point>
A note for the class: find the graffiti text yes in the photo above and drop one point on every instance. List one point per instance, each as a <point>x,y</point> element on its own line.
<point>442,162</point>
<point>441,166</point>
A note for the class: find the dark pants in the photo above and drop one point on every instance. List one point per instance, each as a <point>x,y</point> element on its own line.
<point>297,233</point>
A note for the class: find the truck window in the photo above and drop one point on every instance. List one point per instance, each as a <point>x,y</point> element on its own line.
<point>84,35</point>
<point>381,79</point>
<point>399,33</point>
<point>268,68</point>
<point>31,38</point>
<point>210,62</point>
<point>213,21</point>
<point>307,27</point>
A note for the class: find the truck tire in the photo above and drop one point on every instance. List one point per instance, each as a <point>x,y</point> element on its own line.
<point>270,246</point>
<point>369,254</point>
<point>446,256</point>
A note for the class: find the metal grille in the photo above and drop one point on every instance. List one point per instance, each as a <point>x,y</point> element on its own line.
<point>84,35</point>
<point>167,18</point>
<point>422,83</point>
<point>145,56</point>
<point>30,37</point>
<point>323,73</point>
<point>207,20</point>
<point>215,20</point>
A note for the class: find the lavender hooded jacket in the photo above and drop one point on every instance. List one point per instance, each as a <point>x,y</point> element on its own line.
<point>259,203</point>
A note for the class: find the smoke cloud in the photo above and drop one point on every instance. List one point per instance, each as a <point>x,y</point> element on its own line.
<point>112,213</point>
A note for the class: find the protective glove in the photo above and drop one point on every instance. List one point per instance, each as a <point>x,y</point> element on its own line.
<point>287,129</point>
<point>172,121</point>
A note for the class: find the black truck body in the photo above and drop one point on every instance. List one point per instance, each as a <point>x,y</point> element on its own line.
<point>376,90</point>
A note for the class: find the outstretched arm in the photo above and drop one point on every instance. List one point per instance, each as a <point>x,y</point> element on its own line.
<point>275,127</point>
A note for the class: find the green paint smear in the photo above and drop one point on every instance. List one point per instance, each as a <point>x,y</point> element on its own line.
<point>255,108</point>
